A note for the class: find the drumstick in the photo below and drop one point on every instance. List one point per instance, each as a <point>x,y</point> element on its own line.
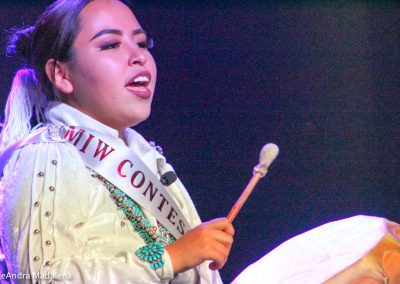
<point>267,156</point>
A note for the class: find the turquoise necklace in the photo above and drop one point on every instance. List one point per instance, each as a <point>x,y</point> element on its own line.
<point>155,237</point>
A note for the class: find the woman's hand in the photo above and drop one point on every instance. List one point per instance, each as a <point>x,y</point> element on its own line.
<point>209,241</point>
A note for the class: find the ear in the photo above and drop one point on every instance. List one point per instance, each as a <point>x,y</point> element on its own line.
<point>57,72</point>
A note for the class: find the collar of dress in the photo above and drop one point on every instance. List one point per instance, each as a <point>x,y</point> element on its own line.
<point>104,152</point>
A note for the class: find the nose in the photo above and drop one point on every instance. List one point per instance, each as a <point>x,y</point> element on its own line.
<point>138,55</point>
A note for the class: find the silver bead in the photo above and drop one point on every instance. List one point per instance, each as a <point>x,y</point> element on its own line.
<point>160,150</point>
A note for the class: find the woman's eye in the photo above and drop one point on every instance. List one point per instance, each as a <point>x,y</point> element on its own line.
<point>110,45</point>
<point>147,44</point>
<point>143,44</point>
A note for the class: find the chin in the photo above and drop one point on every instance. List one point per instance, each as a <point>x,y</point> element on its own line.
<point>135,121</point>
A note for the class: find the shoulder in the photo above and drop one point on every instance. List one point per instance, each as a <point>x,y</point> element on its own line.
<point>34,167</point>
<point>30,156</point>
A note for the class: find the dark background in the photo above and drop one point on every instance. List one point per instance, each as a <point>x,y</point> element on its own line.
<point>318,78</point>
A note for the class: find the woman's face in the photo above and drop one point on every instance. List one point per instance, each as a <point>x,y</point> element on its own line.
<point>112,72</point>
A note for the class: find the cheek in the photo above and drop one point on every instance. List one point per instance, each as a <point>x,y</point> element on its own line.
<point>98,73</point>
<point>153,68</point>
<point>152,63</point>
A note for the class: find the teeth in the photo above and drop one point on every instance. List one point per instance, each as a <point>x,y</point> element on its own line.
<point>141,79</point>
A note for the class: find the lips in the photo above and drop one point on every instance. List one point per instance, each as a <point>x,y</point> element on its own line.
<point>139,83</point>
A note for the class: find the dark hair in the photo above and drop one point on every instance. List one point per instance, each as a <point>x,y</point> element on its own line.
<point>51,37</point>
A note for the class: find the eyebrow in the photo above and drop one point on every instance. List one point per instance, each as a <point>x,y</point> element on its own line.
<point>116,32</point>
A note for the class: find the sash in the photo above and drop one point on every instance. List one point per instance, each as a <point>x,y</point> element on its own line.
<point>119,165</point>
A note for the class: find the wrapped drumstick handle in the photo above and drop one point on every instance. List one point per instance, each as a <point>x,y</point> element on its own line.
<point>267,156</point>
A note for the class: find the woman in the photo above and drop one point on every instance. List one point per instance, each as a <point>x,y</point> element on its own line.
<point>64,217</point>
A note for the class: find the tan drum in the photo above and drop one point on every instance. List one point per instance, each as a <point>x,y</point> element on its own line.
<point>357,250</point>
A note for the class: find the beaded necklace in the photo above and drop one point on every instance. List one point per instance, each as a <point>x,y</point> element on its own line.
<point>155,237</point>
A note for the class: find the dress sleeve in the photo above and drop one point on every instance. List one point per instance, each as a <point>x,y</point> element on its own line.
<point>60,223</point>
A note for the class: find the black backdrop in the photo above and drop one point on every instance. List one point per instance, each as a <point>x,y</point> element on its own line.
<point>320,79</point>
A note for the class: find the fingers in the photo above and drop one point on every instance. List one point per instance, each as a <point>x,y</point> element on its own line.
<point>222,233</point>
<point>211,234</point>
<point>222,224</point>
<point>209,241</point>
<point>229,229</point>
<point>219,256</point>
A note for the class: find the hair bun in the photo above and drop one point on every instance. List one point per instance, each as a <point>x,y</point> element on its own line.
<point>20,42</point>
